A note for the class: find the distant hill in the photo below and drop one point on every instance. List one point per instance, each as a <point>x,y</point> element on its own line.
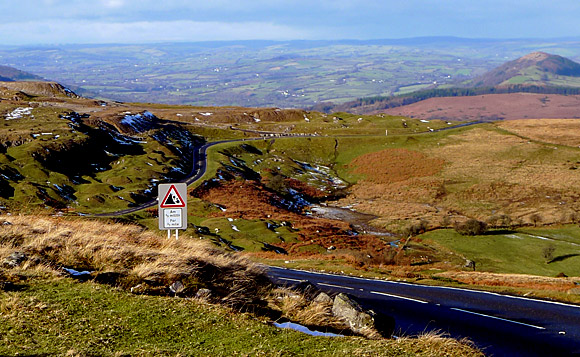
<point>37,88</point>
<point>537,72</point>
<point>534,68</point>
<point>9,74</point>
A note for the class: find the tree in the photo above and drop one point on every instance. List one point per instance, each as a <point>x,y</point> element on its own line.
<point>471,227</point>
<point>548,252</point>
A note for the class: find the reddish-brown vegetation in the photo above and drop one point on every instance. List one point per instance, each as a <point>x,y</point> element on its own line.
<point>394,165</point>
<point>248,200</point>
<point>493,107</point>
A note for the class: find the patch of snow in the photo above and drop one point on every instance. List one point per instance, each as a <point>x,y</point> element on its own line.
<point>424,121</point>
<point>539,237</point>
<point>304,329</point>
<point>19,113</point>
<point>206,114</point>
<point>235,228</point>
<point>138,122</point>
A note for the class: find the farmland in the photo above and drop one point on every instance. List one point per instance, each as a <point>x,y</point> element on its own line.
<point>296,74</point>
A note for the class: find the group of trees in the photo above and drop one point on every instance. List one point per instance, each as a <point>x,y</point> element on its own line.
<point>473,227</point>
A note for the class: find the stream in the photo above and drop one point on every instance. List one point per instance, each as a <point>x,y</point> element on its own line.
<point>359,221</point>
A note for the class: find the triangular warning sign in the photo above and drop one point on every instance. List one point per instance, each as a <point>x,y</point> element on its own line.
<point>172,199</point>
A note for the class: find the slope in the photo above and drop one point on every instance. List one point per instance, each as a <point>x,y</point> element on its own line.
<point>538,68</point>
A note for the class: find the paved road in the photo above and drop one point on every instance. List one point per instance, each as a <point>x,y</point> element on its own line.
<point>501,325</point>
<point>197,171</point>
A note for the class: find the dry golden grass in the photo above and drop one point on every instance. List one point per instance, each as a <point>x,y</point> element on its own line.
<point>555,131</point>
<point>297,308</point>
<point>136,257</point>
<point>486,172</point>
<point>436,344</point>
<point>511,280</point>
<point>394,165</point>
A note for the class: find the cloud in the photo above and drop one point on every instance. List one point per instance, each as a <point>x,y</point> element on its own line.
<point>145,31</point>
<point>91,21</point>
<point>113,4</point>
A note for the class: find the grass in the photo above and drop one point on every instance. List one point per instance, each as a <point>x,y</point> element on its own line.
<point>136,257</point>
<point>63,317</point>
<point>46,314</point>
<point>518,252</point>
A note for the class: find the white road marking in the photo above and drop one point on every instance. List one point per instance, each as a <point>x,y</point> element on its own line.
<point>498,318</point>
<point>336,286</point>
<point>400,297</point>
<point>291,279</point>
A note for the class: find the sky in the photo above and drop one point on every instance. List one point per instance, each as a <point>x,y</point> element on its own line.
<point>26,22</point>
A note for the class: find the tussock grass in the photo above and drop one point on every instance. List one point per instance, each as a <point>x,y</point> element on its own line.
<point>80,319</point>
<point>127,256</point>
<point>297,308</point>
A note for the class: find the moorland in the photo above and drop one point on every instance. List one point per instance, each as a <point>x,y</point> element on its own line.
<point>378,195</point>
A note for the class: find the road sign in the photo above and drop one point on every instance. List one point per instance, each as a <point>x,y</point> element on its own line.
<point>172,198</point>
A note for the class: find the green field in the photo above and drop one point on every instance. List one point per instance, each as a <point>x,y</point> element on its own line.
<point>283,74</point>
<point>520,251</point>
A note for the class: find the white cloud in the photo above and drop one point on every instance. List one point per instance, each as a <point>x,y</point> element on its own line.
<point>144,31</point>
<point>113,4</point>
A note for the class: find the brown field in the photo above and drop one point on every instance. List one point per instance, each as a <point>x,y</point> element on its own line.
<point>493,107</point>
<point>554,131</point>
<point>394,165</point>
<point>486,172</point>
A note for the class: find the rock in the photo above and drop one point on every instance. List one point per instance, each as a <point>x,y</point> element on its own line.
<point>177,287</point>
<point>352,313</point>
<point>203,294</point>
<point>15,260</point>
<point>470,264</point>
<point>361,321</point>
<point>323,299</point>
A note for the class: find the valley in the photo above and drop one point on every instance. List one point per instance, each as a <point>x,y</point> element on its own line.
<point>473,192</point>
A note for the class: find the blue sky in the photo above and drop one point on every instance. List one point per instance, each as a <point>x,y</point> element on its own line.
<point>138,21</point>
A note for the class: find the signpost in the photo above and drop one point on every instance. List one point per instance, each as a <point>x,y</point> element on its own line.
<point>172,198</point>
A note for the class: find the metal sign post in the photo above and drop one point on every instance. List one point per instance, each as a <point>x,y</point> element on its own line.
<point>172,198</point>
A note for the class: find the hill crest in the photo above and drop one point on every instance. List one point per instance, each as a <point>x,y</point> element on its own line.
<point>533,68</point>
<point>37,88</point>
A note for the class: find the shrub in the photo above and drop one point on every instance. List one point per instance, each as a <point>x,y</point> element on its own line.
<point>471,227</point>
<point>536,218</point>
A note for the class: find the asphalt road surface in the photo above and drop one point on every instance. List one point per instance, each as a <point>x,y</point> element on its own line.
<point>500,325</point>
